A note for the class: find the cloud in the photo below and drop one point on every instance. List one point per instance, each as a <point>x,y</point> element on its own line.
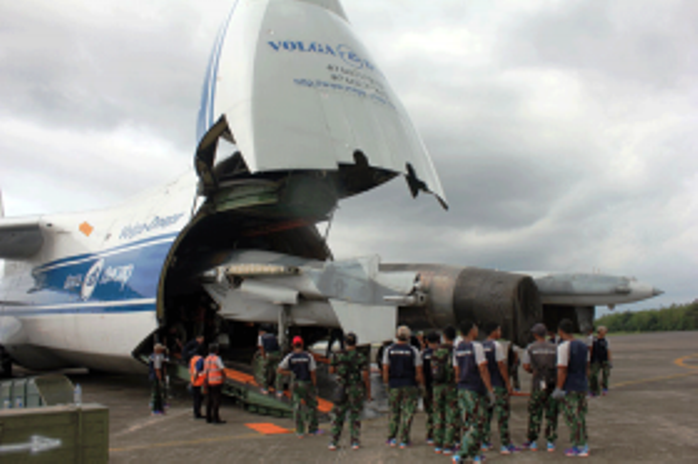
<point>563,131</point>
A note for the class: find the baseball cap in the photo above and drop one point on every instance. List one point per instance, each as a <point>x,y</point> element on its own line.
<point>297,340</point>
<point>539,329</point>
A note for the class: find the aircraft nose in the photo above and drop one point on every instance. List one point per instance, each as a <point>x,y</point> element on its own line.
<point>656,291</point>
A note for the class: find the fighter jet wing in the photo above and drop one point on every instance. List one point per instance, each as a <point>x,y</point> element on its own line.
<point>20,238</point>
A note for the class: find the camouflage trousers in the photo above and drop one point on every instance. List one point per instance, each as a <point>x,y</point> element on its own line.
<point>503,410</point>
<point>574,405</point>
<point>445,415</point>
<point>353,405</point>
<point>541,403</point>
<point>304,406</point>
<point>265,372</point>
<point>403,403</point>
<point>605,370</point>
<point>428,401</point>
<point>473,406</point>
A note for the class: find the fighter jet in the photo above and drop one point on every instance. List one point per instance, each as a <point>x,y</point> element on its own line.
<point>308,119</point>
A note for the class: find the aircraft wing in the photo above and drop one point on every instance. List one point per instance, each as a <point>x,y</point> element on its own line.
<point>20,238</point>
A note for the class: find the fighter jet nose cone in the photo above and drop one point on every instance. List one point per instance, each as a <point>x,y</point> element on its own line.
<point>657,292</point>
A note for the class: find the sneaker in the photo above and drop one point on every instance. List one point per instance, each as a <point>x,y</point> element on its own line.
<point>572,452</point>
<point>430,442</point>
<point>605,392</point>
<point>279,395</point>
<point>391,442</point>
<point>316,433</point>
<point>437,450</point>
<point>478,459</point>
<point>457,460</point>
<point>404,445</point>
<point>530,445</point>
<point>487,446</point>
<point>355,446</point>
<point>300,435</point>
<point>508,449</point>
<point>332,447</point>
<point>263,391</point>
<point>583,452</point>
<point>448,451</point>
<point>551,447</point>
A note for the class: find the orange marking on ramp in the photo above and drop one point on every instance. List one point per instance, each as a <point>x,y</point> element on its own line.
<point>323,406</point>
<point>268,429</point>
<point>240,377</point>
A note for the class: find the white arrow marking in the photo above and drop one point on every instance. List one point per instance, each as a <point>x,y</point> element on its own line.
<point>37,444</point>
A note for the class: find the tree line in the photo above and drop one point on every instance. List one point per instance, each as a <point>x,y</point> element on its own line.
<point>675,317</point>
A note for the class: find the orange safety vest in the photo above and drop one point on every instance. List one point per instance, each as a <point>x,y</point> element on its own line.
<point>213,373</point>
<point>197,379</point>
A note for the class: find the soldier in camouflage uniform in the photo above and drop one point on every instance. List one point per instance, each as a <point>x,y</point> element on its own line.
<point>269,358</point>
<point>475,392</point>
<point>351,368</point>
<point>499,375</point>
<point>600,362</point>
<point>445,415</point>
<point>540,360</point>
<point>432,341</point>
<point>572,386</point>
<point>402,372</point>
<point>301,365</point>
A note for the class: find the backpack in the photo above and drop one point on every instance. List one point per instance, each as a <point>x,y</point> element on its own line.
<point>440,372</point>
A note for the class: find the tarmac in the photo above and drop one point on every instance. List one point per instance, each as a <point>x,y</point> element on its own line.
<point>650,415</point>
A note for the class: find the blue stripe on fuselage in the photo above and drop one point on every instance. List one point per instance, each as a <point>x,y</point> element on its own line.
<point>93,283</point>
<point>67,259</point>
<point>116,308</point>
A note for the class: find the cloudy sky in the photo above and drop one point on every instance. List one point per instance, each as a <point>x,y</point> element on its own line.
<point>563,130</point>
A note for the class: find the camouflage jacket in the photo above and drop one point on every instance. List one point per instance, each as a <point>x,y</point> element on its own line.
<point>350,364</point>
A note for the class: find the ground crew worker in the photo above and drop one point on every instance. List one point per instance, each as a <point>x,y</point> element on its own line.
<point>214,372</point>
<point>197,378</point>
<point>351,368</point>
<point>445,415</point>
<point>302,365</point>
<point>402,373</point>
<point>600,361</point>
<point>156,365</point>
<point>432,343</point>
<point>270,355</point>
<point>499,376</point>
<point>539,359</point>
<point>571,390</point>
<point>474,392</point>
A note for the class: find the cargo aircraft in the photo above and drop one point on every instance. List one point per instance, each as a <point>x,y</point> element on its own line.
<point>295,116</point>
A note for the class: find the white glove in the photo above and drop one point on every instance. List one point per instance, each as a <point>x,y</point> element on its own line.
<point>558,394</point>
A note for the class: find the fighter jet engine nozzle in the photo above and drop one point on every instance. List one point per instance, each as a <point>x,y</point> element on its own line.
<point>454,294</point>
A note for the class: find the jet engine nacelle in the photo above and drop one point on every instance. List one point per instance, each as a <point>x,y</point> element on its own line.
<point>455,294</point>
